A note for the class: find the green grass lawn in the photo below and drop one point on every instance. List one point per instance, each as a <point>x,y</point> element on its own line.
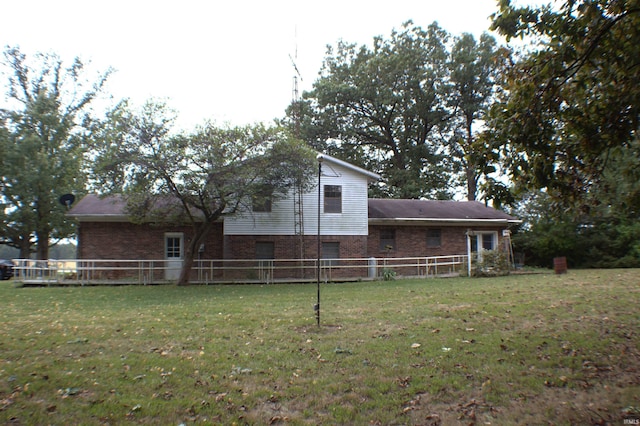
<point>527,349</point>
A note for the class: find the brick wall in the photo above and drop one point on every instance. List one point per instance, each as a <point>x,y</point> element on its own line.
<point>288,247</point>
<point>411,241</point>
<point>128,241</point>
<point>122,240</point>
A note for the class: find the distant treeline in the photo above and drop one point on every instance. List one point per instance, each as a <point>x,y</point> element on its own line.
<point>59,251</point>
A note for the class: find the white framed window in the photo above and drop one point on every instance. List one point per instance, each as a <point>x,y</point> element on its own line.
<point>489,241</point>
<point>482,241</point>
<point>333,199</point>
<point>173,245</point>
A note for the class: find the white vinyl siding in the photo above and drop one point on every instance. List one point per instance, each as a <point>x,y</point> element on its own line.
<point>280,221</point>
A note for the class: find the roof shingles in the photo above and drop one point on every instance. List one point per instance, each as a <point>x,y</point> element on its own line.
<point>95,207</point>
<point>434,209</point>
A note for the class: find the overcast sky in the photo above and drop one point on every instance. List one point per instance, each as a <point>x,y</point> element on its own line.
<point>224,61</point>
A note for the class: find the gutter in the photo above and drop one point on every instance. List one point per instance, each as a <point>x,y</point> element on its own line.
<point>443,221</point>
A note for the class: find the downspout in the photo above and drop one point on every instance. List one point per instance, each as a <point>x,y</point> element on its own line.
<point>469,252</point>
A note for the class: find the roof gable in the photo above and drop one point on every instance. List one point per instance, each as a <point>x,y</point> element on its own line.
<point>371,176</point>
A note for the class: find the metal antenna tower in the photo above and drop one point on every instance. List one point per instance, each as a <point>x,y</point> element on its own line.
<point>298,206</point>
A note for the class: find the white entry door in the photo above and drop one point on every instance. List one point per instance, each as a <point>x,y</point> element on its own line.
<point>173,254</point>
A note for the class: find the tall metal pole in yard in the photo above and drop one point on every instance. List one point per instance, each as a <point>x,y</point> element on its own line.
<point>320,157</point>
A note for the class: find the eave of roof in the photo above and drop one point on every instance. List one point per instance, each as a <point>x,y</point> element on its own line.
<point>101,218</point>
<point>404,221</point>
<point>373,177</point>
<point>93,207</point>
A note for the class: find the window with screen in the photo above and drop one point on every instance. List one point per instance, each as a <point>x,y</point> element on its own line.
<point>484,241</point>
<point>333,199</point>
<point>261,201</point>
<point>387,239</point>
<point>488,241</point>
<point>265,250</point>
<point>173,246</point>
<point>331,252</point>
<point>434,238</point>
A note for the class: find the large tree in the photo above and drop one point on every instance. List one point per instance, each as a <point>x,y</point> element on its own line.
<point>474,77</point>
<point>41,146</point>
<point>380,107</point>
<point>195,179</point>
<point>407,107</point>
<point>572,98</point>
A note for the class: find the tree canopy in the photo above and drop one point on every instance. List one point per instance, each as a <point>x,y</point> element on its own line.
<point>476,69</point>
<point>195,178</point>
<point>404,108</point>
<point>568,123</point>
<point>42,139</point>
<point>573,98</point>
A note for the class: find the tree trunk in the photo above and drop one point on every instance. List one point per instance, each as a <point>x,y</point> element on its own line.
<point>472,183</point>
<point>187,263</point>
<point>42,242</point>
<point>199,235</point>
<point>25,246</point>
<point>472,179</point>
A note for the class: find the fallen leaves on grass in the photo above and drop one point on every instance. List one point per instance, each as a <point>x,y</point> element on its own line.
<point>67,392</point>
<point>240,370</point>
<point>403,382</point>
<point>78,340</point>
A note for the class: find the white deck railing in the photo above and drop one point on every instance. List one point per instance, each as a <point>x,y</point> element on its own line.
<point>212,271</point>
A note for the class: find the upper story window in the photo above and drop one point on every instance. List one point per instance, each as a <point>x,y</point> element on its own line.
<point>333,199</point>
<point>434,238</point>
<point>261,201</point>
